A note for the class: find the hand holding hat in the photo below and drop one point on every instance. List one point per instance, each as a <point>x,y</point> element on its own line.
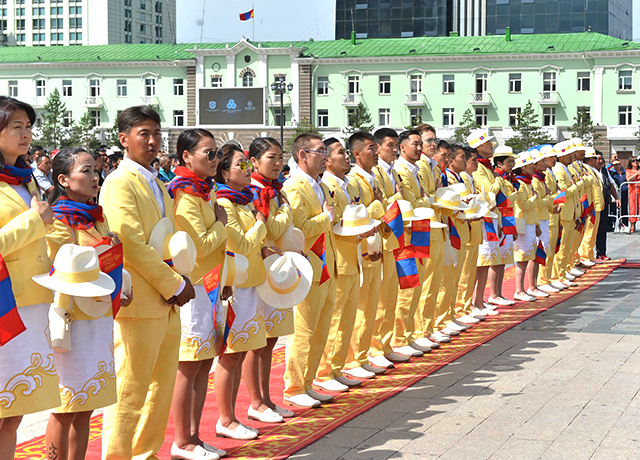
<point>288,282</point>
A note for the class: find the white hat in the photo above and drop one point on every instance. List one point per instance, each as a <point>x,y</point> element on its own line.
<point>479,136</point>
<point>462,189</point>
<point>76,272</point>
<point>292,240</point>
<point>590,152</point>
<point>547,150</point>
<point>178,247</point>
<point>409,214</point>
<point>562,148</point>
<point>448,198</point>
<point>289,278</point>
<point>526,158</point>
<point>235,271</point>
<point>476,210</point>
<point>374,243</point>
<point>504,151</point>
<point>355,221</point>
<point>576,144</point>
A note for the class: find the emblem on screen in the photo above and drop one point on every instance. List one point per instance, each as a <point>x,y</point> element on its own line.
<point>231,104</point>
<point>212,105</point>
<point>249,106</point>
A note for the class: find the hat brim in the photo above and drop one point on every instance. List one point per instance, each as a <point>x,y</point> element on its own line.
<point>156,239</point>
<point>102,286</point>
<point>462,207</point>
<point>95,307</point>
<point>240,276</point>
<point>338,229</point>
<point>286,301</point>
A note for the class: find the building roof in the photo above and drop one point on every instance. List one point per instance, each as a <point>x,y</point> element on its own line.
<point>379,47</point>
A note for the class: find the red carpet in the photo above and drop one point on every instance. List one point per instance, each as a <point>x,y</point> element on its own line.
<point>278,441</point>
<point>630,265</point>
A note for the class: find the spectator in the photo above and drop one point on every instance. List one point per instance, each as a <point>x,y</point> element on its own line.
<point>165,174</point>
<point>114,161</point>
<point>618,173</point>
<point>174,162</point>
<point>608,190</point>
<point>42,174</point>
<point>34,152</point>
<point>155,164</point>
<point>633,175</point>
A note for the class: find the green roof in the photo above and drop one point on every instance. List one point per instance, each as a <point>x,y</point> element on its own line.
<point>378,47</point>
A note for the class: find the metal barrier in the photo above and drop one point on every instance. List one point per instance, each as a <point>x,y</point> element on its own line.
<point>620,216</point>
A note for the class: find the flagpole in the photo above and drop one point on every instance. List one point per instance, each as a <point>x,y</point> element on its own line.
<point>253,23</point>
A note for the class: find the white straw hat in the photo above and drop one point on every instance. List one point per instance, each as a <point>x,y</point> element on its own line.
<point>235,271</point>
<point>373,243</point>
<point>292,240</point>
<point>462,189</point>
<point>479,136</point>
<point>448,198</point>
<point>504,151</point>
<point>177,249</point>
<point>477,209</point>
<point>575,143</point>
<point>590,152</point>
<point>526,158</point>
<point>289,278</point>
<point>547,150</point>
<point>410,214</point>
<point>562,148</point>
<point>355,221</point>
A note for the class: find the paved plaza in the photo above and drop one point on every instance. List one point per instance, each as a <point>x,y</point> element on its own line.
<point>562,385</point>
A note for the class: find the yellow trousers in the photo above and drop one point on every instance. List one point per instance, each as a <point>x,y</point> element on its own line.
<point>386,310</point>
<point>563,256</point>
<point>467,281</point>
<point>545,274</point>
<point>406,306</point>
<point>365,316</point>
<point>576,244</point>
<point>589,241</point>
<point>312,320</point>
<point>426,312</point>
<point>146,357</point>
<point>344,314</point>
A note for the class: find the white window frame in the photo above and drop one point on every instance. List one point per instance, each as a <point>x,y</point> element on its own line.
<point>448,84</point>
<point>484,78</point>
<point>513,114</point>
<point>121,88</point>
<point>384,117</point>
<point>384,85</point>
<point>178,86</point>
<point>415,84</point>
<point>41,88</point>
<point>216,81</point>
<point>322,86</point>
<point>414,114</point>
<point>587,109</point>
<point>627,112</point>
<point>323,118</point>
<point>515,83</point>
<point>448,117</point>
<point>582,78</point>
<point>625,82</point>
<point>95,118</point>
<point>277,115</point>
<point>549,81</point>
<point>67,119</point>
<point>178,118</point>
<point>482,114</point>
<point>67,88</point>
<point>13,88</point>
<point>353,84</point>
<point>548,116</point>
<point>150,87</point>
<point>247,80</point>
<point>94,87</point>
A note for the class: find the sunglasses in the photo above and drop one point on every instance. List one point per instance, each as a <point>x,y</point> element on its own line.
<point>244,166</point>
<point>212,154</point>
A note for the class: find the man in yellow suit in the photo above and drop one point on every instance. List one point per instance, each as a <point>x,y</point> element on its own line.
<point>147,333</point>
<point>313,214</point>
<point>587,254</point>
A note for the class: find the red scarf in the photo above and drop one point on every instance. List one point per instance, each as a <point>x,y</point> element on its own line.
<point>16,175</point>
<point>507,176</point>
<point>525,178</point>
<point>262,196</point>
<point>485,162</point>
<point>538,175</point>
<point>190,183</point>
<point>81,216</point>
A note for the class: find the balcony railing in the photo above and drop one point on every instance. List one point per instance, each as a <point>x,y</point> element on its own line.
<point>548,97</point>
<point>93,101</point>
<point>552,131</point>
<point>622,133</point>
<point>415,99</point>
<point>274,100</point>
<point>480,98</point>
<point>351,99</point>
<point>39,101</point>
<point>150,100</point>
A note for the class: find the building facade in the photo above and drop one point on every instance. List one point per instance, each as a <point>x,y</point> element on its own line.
<point>400,81</point>
<point>86,22</point>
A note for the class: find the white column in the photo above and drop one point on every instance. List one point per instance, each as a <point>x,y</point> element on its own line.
<point>597,95</point>
<point>476,18</point>
<point>295,94</point>
<point>463,17</point>
<point>199,83</point>
<point>483,18</point>
<point>263,76</point>
<point>231,71</point>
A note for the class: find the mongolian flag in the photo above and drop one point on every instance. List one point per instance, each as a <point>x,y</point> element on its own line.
<point>559,239</point>
<point>111,262</point>
<point>541,255</point>
<point>319,249</point>
<point>231,316</point>
<point>490,229</point>
<point>211,283</point>
<point>10,322</point>
<point>454,235</point>
<point>561,198</point>
<point>393,218</point>
<point>508,221</point>
<point>584,201</point>
<point>502,200</point>
<point>421,237</point>
<point>406,267</point>
<point>246,16</point>
<point>592,216</point>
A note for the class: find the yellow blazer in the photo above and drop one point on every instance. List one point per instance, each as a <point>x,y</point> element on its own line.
<point>525,206</point>
<point>280,217</point>
<point>484,177</point>
<point>132,211</point>
<point>544,198</point>
<point>596,190</point>
<point>411,188</point>
<point>195,216</point>
<point>475,234</point>
<point>60,234</point>
<point>23,246</point>
<point>565,182</point>
<point>309,217</point>
<point>375,208</point>
<point>389,241</point>
<point>429,181</point>
<point>245,235</point>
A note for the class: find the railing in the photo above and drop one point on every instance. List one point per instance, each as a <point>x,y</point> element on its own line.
<point>93,101</point>
<point>149,100</point>
<point>415,99</point>
<point>548,97</point>
<point>480,98</point>
<point>619,216</point>
<point>351,99</point>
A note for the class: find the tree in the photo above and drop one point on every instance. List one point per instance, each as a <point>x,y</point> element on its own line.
<point>52,132</point>
<point>359,120</point>
<point>303,126</point>
<point>417,120</point>
<point>465,127</point>
<point>529,133</point>
<point>584,129</point>
<point>84,133</point>
<point>112,136</point>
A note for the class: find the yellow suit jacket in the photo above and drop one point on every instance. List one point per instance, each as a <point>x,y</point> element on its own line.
<point>412,191</point>
<point>389,241</point>
<point>475,235</point>
<point>526,204</point>
<point>196,217</point>
<point>544,198</point>
<point>132,211</point>
<point>23,246</point>
<point>484,177</point>
<point>596,190</point>
<point>428,176</point>
<point>309,217</point>
<point>565,182</point>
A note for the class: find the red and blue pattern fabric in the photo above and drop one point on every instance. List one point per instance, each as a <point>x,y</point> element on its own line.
<point>490,229</point>
<point>246,16</point>
<point>262,196</point>
<point>541,255</point>
<point>444,179</point>
<point>393,218</point>
<point>539,176</point>
<point>454,235</point>
<point>242,198</point>
<point>111,263</point>
<point>407,267</point>
<point>560,198</point>
<point>559,239</point>
<point>525,178</point>
<point>508,221</point>
<point>501,200</point>
<point>456,175</point>
<point>190,183</point>
<point>11,324</point>
<point>421,237</point>
<point>231,317</point>
<point>584,201</point>
<point>319,249</point>
<point>16,175</point>
<point>211,283</point>
<point>81,216</point>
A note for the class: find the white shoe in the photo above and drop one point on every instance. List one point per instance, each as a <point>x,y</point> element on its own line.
<point>576,272</point>
<point>381,362</point>
<point>351,383</point>
<point>284,413</point>
<point>489,312</point>
<point>452,326</point>
<point>407,351</point>
<point>375,370</point>
<point>569,277</point>
<point>538,293</point>
<point>423,349</point>
<point>302,400</point>
<point>568,283</point>
<point>199,453</point>
<point>467,319</point>
<point>477,313</point>
<point>558,285</point>
<point>268,416</point>
<point>221,452</point>
<point>524,298</point>
<point>499,301</point>
<point>241,432</point>
<point>457,321</point>
<point>450,332</point>
<point>332,386</point>
<point>488,306</point>
<point>397,357</point>
<point>588,263</point>
<point>439,337</point>
<point>548,289</point>
<point>424,342</point>
<point>319,396</point>
<point>358,373</point>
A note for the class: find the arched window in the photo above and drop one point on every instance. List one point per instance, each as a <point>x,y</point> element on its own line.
<point>247,77</point>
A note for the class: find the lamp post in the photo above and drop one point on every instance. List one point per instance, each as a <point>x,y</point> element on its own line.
<point>280,88</point>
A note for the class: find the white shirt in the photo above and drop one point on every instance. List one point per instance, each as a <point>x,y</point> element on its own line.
<point>23,192</point>
<point>387,167</point>
<point>566,169</point>
<point>344,184</point>
<point>368,176</point>
<point>150,176</point>
<point>315,185</point>
<point>470,177</point>
<point>410,166</point>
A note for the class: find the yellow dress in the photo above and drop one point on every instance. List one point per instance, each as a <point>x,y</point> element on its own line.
<point>525,210</point>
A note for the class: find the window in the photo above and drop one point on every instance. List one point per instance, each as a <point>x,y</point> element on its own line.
<point>384,117</point>
<point>353,86</point>
<point>20,38</point>
<point>75,36</point>
<point>323,86</point>
<point>415,84</point>
<point>20,11</point>
<point>625,80</point>
<point>127,38</point>
<point>39,24</point>
<point>95,118</point>
<point>549,81</point>
<point>58,10</point>
<point>127,26</point>
<point>127,13</point>
<point>143,29</point>
<point>39,38</point>
<point>67,119</point>
<point>57,23</point>
<point>448,84</point>
<point>448,118</point>
<point>513,115</point>
<point>481,116</point>
<point>158,7</point>
<point>94,88</point>
<point>216,81</point>
<point>143,5</point>
<point>625,113</point>
<point>66,88</point>
<point>57,37</point>
<point>323,118</point>
<point>481,83</point>
<point>13,88</point>
<point>178,87</point>
<point>150,87</point>
<point>586,109</point>
<point>350,114</point>
<point>178,118</point>
<point>584,81</point>
<point>549,116</point>
<point>38,11</point>
<point>415,116</point>
<point>127,3</point>
<point>41,88</point>
<point>384,83</point>
<point>280,119</point>
<point>20,24</point>
<point>72,10</point>
<point>75,23</point>
<point>515,82</point>
<point>121,86</point>
<point>247,79</point>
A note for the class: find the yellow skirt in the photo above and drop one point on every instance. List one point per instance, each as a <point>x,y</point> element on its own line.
<point>197,328</point>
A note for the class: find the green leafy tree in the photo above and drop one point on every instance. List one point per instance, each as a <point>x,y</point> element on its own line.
<point>112,137</point>
<point>303,126</point>
<point>528,132</point>
<point>84,133</point>
<point>359,120</point>
<point>467,124</point>
<point>52,133</point>
<point>415,122</point>
<point>584,129</point>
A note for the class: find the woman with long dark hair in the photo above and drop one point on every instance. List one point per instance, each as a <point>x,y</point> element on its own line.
<point>632,174</point>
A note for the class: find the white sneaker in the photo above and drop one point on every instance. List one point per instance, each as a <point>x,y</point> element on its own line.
<point>407,351</point>
<point>268,416</point>
<point>351,383</point>
<point>199,453</point>
<point>548,289</point>
<point>588,263</point>
<point>539,294</point>
<point>569,277</point>
<point>420,347</point>
<point>301,400</point>
<point>332,386</point>
<point>375,370</point>
<point>477,313</point>
<point>568,283</point>
<point>453,326</point>
<point>499,301</point>
<point>489,306</point>
<point>358,373</point>
<point>576,272</point>
<point>439,337</point>
<point>450,332</point>
<point>381,362</point>
<point>397,358</point>
<point>524,298</point>
<point>558,285</point>
<point>319,396</point>
<point>457,321</point>
<point>489,312</point>
<point>467,319</point>
<point>424,342</point>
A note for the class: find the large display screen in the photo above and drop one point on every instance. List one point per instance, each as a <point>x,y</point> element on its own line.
<point>232,106</point>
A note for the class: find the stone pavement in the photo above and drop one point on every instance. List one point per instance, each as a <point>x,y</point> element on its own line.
<point>561,385</point>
